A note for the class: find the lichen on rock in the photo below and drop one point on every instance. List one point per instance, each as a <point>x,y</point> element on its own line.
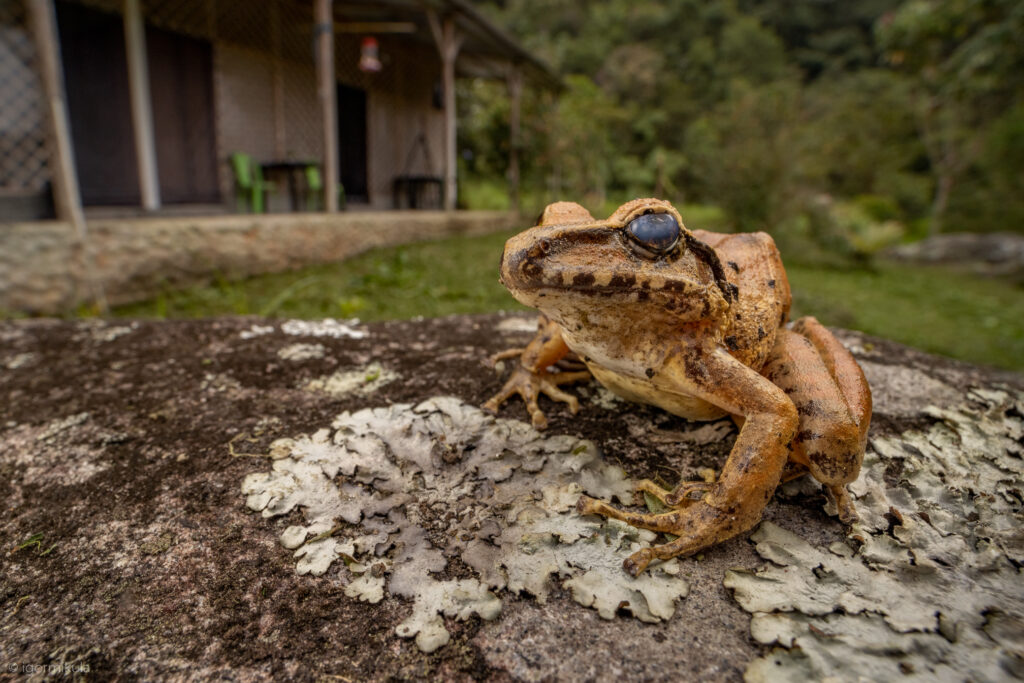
<point>398,491</point>
<point>361,381</point>
<point>301,352</point>
<point>328,327</point>
<point>934,588</point>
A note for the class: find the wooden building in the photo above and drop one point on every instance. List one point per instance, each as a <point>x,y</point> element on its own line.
<point>141,103</point>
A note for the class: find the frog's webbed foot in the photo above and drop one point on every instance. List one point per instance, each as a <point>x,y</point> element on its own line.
<point>530,385</point>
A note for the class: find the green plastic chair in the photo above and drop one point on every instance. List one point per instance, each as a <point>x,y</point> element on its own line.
<point>249,183</point>
<point>315,189</point>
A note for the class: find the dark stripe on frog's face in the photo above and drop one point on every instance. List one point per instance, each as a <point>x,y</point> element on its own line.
<point>526,261</point>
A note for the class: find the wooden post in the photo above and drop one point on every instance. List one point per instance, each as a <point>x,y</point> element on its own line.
<point>65,179</point>
<point>448,44</point>
<point>280,140</point>
<point>327,91</point>
<point>515,92</point>
<point>142,105</point>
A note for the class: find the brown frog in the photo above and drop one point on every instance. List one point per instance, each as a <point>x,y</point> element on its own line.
<point>693,322</point>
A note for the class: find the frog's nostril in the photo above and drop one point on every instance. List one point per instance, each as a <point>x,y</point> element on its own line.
<point>539,249</point>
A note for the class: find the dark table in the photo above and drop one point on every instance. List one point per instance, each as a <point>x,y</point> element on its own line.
<point>293,170</point>
<point>419,191</point>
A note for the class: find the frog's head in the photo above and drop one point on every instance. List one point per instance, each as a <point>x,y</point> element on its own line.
<point>642,256</point>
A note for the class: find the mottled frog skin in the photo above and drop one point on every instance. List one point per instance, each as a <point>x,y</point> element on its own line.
<point>695,323</point>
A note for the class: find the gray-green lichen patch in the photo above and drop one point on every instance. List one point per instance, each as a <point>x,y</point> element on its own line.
<point>603,398</point>
<point>399,492</point>
<point>517,325</point>
<point>360,382</point>
<point>301,352</point>
<point>930,585</point>
<point>102,331</point>
<point>328,327</point>
<point>256,331</point>
<point>19,360</point>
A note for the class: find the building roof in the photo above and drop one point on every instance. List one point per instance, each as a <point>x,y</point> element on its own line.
<point>486,50</point>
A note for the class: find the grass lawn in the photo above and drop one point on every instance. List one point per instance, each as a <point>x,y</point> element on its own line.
<point>960,315</point>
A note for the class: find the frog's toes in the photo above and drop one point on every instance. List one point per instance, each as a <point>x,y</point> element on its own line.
<point>502,355</point>
<point>638,561</point>
<point>587,506</point>
<point>551,390</point>
<point>569,377</point>
<point>844,504</point>
<point>680,496</point>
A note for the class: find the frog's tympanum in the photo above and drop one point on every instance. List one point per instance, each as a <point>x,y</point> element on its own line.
<point>695,323</point>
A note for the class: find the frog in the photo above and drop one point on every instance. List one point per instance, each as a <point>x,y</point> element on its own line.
<point>695,323</point>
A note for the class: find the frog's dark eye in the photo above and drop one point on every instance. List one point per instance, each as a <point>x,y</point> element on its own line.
<point>656,232</point>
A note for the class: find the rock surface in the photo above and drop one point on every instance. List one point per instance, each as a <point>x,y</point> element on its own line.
<point>990,253</point>
<point>217,498</point>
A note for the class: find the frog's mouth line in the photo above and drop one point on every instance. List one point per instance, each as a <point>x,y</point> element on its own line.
<point>616,283</point>
<point>689,301</point>
<point>674,289</point>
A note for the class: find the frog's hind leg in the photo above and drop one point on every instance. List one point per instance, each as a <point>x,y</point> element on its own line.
<point>833,402</point>
<point>844,370</point>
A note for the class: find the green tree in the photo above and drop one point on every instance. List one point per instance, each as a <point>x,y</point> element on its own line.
<point>771,109</point>
<point>966,58</point>
<point>581,143</point>
<point>743,153</point>
<point>860,137</point>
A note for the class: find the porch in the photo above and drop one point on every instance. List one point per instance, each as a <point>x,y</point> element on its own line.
<point>120,119</point>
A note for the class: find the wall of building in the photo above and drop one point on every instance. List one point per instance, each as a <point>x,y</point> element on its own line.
<point>24,157</point>
<point>398,114</point>
<point>264,89</point>
<point>400,108</point>
<point>243,94</point>
<point>43,270</point>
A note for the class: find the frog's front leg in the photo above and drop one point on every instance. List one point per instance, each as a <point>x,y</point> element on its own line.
<point>530,378</point>
<point>735,502</point>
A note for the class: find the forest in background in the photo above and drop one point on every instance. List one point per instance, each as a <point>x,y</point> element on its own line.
<point>847,124</point>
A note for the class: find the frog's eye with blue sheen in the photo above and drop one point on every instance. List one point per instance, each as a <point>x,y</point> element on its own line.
<point>655,232</point>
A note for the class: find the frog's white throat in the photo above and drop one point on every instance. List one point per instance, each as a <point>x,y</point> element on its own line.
<point>603,335</point>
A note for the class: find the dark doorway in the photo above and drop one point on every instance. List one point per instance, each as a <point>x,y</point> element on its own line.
<point>352,142</point>
<point>181,87</point>
<point>99,109</point>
